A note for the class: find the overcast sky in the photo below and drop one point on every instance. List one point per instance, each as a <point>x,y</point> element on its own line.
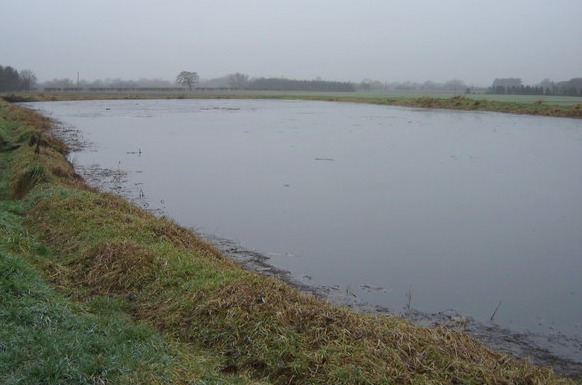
<point>347,40</point>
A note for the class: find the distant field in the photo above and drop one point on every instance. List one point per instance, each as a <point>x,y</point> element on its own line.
<point>558,106</point>
<point>553,100</point>
<point>563,101</point>
<point>556,100</point>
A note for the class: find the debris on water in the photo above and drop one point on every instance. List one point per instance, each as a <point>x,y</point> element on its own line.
<point>370,288</point>
<point>220,108</point>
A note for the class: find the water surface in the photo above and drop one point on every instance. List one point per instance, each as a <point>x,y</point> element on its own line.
<point>400,208</point>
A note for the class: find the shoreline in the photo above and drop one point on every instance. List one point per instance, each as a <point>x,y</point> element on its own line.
<point>522,345</point>
<point>487,103</point>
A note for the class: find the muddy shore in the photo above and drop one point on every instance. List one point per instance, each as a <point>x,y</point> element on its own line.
<point>537,347</point>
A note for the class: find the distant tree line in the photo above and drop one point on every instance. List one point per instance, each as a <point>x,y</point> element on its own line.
<point>239,81</point>
<point>514,86</point>
<point>112,89</point>
<point>12,80</point>
<point>191,80</point>
<point>108,83</point>
<point>281,84</point>
<point>453,85</point>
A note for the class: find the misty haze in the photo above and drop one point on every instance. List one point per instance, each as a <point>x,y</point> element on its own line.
<point>390,42</point>
<point>421,159</point>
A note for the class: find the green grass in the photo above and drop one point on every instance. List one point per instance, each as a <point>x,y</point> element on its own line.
<point>522,99</point>
<point>106,292</point>
<point>46,339</point>
<point>550,99</point>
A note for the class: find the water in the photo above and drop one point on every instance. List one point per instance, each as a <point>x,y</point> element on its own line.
<point>396,207</point>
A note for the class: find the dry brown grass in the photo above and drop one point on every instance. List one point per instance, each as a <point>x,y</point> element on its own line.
<point>262,324</point>
<point>118,266</point>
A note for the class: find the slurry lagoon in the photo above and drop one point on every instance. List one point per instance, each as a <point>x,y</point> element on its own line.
<point>392,208</point>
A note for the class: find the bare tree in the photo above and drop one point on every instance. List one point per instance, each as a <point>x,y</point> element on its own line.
<point>238,80</point>
<point>9,79</point>
<point>59,83</point>
<point>366,85</point>
<point>455,85</point>
<point>187,78</point>
<point>28,79</point>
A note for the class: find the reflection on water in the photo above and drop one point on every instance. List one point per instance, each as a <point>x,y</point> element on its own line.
<point>397,207</point>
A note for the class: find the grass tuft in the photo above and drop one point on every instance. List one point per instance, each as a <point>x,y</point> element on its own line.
<point>46,339</point>
<point>116,267</point>
<point>26,179</point>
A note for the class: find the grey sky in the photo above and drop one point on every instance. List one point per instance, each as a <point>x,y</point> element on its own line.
<point>348,40</point>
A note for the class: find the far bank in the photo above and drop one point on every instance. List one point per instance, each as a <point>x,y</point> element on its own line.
<point>570,107</point>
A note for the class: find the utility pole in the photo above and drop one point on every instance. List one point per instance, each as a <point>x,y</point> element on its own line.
<point>78,83</point>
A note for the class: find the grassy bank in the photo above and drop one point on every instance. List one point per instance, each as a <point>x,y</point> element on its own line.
<point>570,107</point>
<point>462,103</point>
<point>109,293</point>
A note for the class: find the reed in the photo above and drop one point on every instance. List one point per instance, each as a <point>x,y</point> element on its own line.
<point>495,311</point>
